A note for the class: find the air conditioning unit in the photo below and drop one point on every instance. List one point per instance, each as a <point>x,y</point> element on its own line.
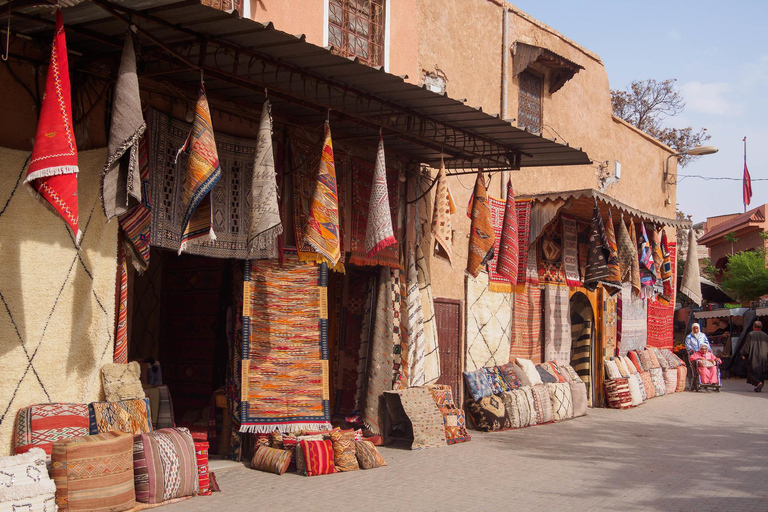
<point>617,169</point>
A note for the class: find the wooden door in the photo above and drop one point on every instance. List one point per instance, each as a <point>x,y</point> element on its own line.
<point>448,323</point>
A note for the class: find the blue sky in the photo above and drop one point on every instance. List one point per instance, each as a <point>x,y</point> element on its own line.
<point>718,52</point>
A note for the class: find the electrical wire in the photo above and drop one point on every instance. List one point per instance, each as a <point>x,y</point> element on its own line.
<point>681,177</point>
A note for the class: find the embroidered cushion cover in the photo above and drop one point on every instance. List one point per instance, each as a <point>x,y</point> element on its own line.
<point>663,364</point>
<point>546,377</point>
<point>542,404</point>
<point>271,460</point>
<point>498,383</point>
<point>569,370</point>
<point>650,390</point>
<point>94,472</point>
<point>318,457</point>
<point>488,414</point>
<point>122,381</point>
<point>526,372</point>
<point>344,451</point>
<point>657,377</point>
<point>42,424</point>
<point>552,368</point>
<point>579,397</point>
<point>164,465</point>
<point>508,371</point>
<point>455,425</point>
<point>368,456</point>
<point>478,383</point>
<point>562,401</point>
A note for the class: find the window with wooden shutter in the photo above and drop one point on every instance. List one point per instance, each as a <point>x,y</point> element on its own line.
<point>531,87</point>
<point>356,29</point>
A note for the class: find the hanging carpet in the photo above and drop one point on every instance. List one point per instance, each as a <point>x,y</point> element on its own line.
<point>526,325</point>
<point>489,325</point>
<point>634,321</point>
<point>634,277</point>
<point>502,268</point>
<point>378,232</point>
<point>661,313</point>
<point>667,295</point>
<point>600,257</point>
<point>610,320</point>
<point>691,283</point>
<point>444,207</point>
<point>550,255</point>
<point>431,348</point>
<point>571,250</point>
<point>481,235</point>
<point>285,347</point>
<point>557,325</point>
<point>523,208</point>
<point>137,223</point>
<point>230,197</point>
<point>415,325</point>
<point>613,284</point>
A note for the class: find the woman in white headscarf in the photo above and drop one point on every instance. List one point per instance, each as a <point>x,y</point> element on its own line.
<point>696,339</point>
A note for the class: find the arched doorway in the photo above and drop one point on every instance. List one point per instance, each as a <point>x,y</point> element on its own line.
<point>582,337</point>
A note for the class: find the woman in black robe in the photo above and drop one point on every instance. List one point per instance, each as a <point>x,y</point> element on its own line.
<point>755,352</point>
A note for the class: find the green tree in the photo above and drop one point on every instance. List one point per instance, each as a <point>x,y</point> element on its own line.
<point>646,103</point>
<point>747,275</point>
<point>732,238</point>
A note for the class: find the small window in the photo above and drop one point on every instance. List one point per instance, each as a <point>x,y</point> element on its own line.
<point>529,114</point>
<point>356,29</point>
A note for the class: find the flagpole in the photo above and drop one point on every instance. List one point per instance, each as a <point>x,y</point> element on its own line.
<point>745,166</point>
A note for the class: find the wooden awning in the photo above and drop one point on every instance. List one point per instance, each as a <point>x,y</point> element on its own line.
<point>562,68</point>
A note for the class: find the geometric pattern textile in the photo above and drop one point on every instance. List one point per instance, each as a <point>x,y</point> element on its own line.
<point>53,167</point>
<point>617,394</point>
<point>550,255</point>
<point>481,234</point>
<point>131,416</point>
<point>455,425</point>
<point>164,465</point>
<point>650,389</point>
<point>425,417</point>
<point>562,401</point>
<point>94,473</point>
<point>479,384</point>
<point>58,330</point>
<point>441,217</point>
<point>526,325</point>
<point>24,483</point>
<point>571,250</point>
<point>661,314</point>
<point>523,208</point>
<point>378,232</point>
<point>657,377</point>
<point>489,414</point>
<point>271,460</point>
<point>507,252</point>
<point>229,200</point>
<point>431,348</point>
<point>136,222</point>
<point>285,347</point>
<point>322,229</point>
<point>41,425</point>
<point>512,410</point>
<point>368,456</point>
<point>542,404</point>
<point>499,216</point>
<point>557,325</point>
<point>344,451</point>
<point>203,478</point>
<point>634,323</point>
<point>489,324</point>
<point>122,381</point>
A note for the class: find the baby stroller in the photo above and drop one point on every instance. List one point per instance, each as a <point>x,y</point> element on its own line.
<point>696,384</point>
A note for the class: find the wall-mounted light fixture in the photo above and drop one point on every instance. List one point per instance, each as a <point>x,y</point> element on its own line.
<point>695,151</point>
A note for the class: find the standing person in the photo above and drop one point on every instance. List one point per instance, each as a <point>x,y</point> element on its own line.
<point>696,339</point>
<point>755,352</point>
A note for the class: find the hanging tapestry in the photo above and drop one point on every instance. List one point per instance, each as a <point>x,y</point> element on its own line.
<point>582,334</point>
<point>121,335</point>
<point>203,171</point>
<point>285,347</point>
<point>542,214</point>
<point>431,348</point>
<point>230,197</point>
<point>610,319</point>
<point>526,325</point>
<point>366,331</point>
<point>399,306</point>
<point>647,266</point>
<point>305,160</point>
<point>415,324</point>
<point>523,208</point>
<point>404,358</point>
<point>584,229</point>
<point>362,187</point>
<point>137,223</point>
<point>613,284</point>
<point>634,321</point>
<point>550,255</point>
<point>425,417</point>
<point>444,207</point>
<point>691,283</point>
<point>381,357</point>
<point>634,277</point>
<point>626,252</point>
<point>661,314</point>
<point>322,230</point>
<point>658,257</point>
<point>481,236</point>
<point>497,282</point>
<point>506,260</point>
<point>53,169</point>
<point>571,250</point>
<point>598,271</point>
<point>666,271</point>
<point>489,325</point>
<point>120,180</point>
<point>557,325</point>
<point>264,224</point>
<point>378,231</point>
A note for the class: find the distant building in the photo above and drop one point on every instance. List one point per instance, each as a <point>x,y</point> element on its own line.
<point>748,228</point>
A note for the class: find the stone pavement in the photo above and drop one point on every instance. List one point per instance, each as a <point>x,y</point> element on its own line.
<point>688,451</point>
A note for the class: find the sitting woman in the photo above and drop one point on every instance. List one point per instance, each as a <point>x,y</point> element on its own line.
<point>706,365</point>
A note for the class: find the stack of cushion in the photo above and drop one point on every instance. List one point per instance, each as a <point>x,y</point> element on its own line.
<point>42,424</point>
<point>165,465</point>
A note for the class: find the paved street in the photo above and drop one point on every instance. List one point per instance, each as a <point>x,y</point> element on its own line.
<point>688,451</point>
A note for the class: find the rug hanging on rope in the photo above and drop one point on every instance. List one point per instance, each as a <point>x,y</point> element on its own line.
<point>571,250</point>
<point>53,169</point>
<point>444,207</point>
<point>626,252</point>
<point>497,282</point>
<point>526,325</point>
<point>322,229</point>
<point>203,172</point>
<point>264,224</point>
<point>121,335</point>
<point>613,284</point>
<point>635,269</point>
<point>481,236</point>
<point>121,179</point>
<point>523,243</point>
<point>666,270</point>
<point>379,233</point>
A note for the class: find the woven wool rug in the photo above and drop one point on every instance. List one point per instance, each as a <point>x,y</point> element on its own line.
<point>489,324</point>
<point>481,234</point>
<point>379,233</point>
<point>526,325</point>
<point>230,197</point>
<point>57,319</point>
<point>523,208</point>
<point>425,417</point>
<point>550,255</point>
<point>661,315</point>
<point>610,320</point>
<point>362,184</point>
<point>571,250</point>
<point>431,348</point>
<point>285,347</point>
<point>444,207</point>
<point>496,281</point>
<point>415,325</point>
<point>634,321</point>
<point>557,325</point>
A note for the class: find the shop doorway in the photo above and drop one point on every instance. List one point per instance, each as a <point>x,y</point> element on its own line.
<point>448,323</point>
<point>582,338</point>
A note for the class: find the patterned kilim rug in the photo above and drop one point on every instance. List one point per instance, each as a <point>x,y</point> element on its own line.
<point>230,197</point>
<point>661,315</point>
<point>523,240</point>
<point>58,326</point>
<point>285,348</point>
<point>557,325</point>
<point>609,325</point>
<point>496,281</point>
<point>634,321</point>
<point>362,181</point>
<point>431,348</point>
<point>582,335</point>
<point>489,324</point>
<point>550,254</point>
<point>526,325</point>
<point>571,250</point>
<point>425,416</point>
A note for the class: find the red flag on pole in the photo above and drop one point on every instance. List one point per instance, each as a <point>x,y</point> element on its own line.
<point>747,180</point>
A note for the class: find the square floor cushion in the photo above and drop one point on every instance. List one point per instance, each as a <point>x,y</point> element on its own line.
<point>165,465</point>
<point>570,372</point>
<point>43,424</point>
<point>579,397</point>
<point>130,416</point>
<point>94,472</point>
<point>318,457</point>
<point>300,466</point>
<point>344,451</point>
<point>636,360</point>
<point>670,380</point>
<point>650,390</point>
<point>542,404</point>
<point>617,393</point>
<point>479,383</point>
<point>122,381</point>
<point>488,414</point>
<point>562,401</point>
<point>527,372</point>
<point>24,483</point>
<point>611,370</point>
<point>498,382</point>
<point>663,364</point>
<point>368,457</point>
<point>657,377</point>
<point>554,369</point>
<point>271,460</point>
